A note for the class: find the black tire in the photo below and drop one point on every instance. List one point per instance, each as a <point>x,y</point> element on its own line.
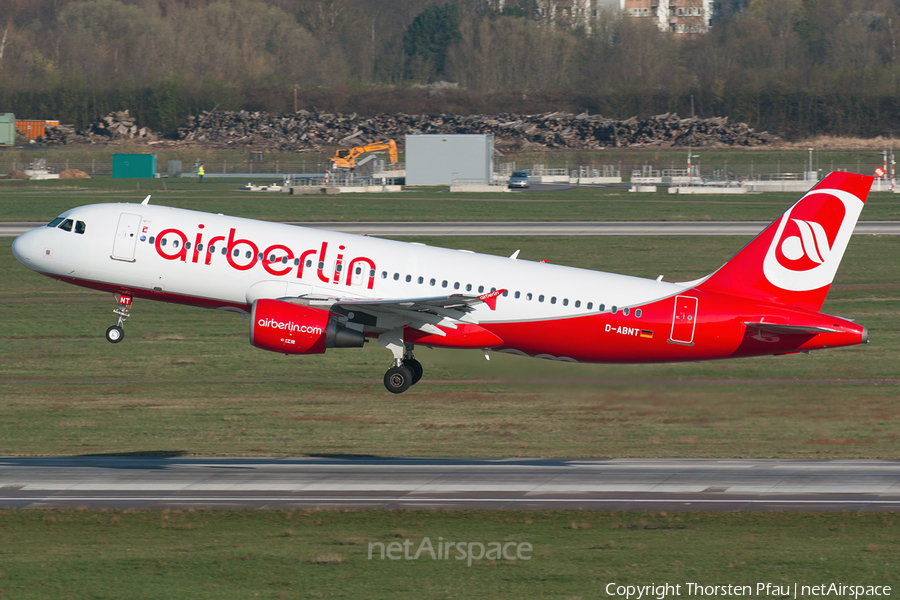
<point>397,380</point>
<point>115,334</point>
<point>415,367</point>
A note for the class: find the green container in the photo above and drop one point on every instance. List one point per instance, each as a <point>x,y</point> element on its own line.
<point>7,129</point>
<point>133,166</point>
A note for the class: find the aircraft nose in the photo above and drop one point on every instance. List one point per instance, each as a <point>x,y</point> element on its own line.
<point>26,248</point>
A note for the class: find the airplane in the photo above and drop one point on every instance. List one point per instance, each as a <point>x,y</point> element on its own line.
<point>307,290</point>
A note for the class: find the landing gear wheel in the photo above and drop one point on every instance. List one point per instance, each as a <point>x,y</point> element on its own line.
<point>398,379</point>
<point>415,367</point>
<point>115,334</point>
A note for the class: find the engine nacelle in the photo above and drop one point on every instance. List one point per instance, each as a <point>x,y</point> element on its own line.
<point>288,328</point>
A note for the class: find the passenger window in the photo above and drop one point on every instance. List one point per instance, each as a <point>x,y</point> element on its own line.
<point>480,289</point>
<point>433,281</point>
<point>444,284</point>
<point>626,311</point>
<point>637,313</point>
<point>236,252</point>
<point>505,293</point>
<point>322,266</point>
<point>371,272</point>
<point>517,295</point>
<point>199,247</point>
<point>553,300</point>
<point>396,276</point>
<point>153,239</point>
<point>79,226</point>
<point>55,222</point>
<point>224,250</point>
<point>602,307</point>
<point>578,304</point>
<point>383,274</point>
<point>308,263</point>
<point>541,298</point>
<point>590,305</point>
<point>339,267</point>
<point>187,245</point>
<point>408,278</point>
<point>248,254</point>
<point>468,287</point>
<point>614,309</point>
<point>66,225</point>
<point>565,301</point>
<point>297,263</point>
<point>421,280</point>
<point>271,258</point>
<point>359,270</point>
<point>528,296</point>
<point>175,243</point>
<point>163,242</point>
<point>284,260</point>
<point>456,286</point>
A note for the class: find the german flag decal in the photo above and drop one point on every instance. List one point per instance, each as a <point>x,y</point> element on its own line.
<point>646,333</point>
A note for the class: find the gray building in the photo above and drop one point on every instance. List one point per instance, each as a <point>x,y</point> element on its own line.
<point>443,159</point>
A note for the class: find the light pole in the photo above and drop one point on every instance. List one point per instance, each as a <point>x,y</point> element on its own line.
<point>809,171</point>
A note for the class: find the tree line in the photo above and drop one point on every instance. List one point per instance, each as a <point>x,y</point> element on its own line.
<point>792,67</point>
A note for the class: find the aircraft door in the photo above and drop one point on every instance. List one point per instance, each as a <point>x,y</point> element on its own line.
<point>126,237</point>
<point>684,320</point>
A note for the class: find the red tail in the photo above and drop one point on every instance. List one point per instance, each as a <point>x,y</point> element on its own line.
<point>793,261</point>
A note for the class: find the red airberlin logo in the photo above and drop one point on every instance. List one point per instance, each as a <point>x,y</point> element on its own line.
<point>279,260</point>
<point>811,239</point>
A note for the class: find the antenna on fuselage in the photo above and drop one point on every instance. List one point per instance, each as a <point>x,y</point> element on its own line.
<point>146,200</point>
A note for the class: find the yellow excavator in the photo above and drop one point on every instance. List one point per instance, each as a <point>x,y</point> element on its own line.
<point>346,159</point>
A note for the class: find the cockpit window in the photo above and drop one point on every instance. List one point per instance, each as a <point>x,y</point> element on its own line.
<point>55,222</point>
<point>66,225</point>
<point>79,226</point>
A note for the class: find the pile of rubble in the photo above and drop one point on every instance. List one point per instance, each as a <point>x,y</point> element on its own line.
<point>306,131</point>
<point>117,126</point>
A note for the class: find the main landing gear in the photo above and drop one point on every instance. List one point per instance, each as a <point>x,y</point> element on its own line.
<point>404,372</point>
<point>116,333</point>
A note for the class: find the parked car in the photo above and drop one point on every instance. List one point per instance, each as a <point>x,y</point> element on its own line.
<point>518,179</point>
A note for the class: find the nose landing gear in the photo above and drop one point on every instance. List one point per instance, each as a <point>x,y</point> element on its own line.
<point>116,333</point>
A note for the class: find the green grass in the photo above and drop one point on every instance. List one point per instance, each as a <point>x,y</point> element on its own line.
<point>41,201</point>
<point>187,381</point>
<point>324,554</point>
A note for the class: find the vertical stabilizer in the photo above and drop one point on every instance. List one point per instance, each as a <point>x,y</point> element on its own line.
<point>793,261</point>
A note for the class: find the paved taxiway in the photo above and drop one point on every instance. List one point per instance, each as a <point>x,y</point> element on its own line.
<point>523,228</point>
<point>634,484</point>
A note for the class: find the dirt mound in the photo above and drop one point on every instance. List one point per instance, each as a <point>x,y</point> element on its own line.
<point>74,174</point>
<point>16,175</point>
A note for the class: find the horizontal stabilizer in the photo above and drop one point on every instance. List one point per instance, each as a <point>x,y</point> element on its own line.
<point>790,329</point>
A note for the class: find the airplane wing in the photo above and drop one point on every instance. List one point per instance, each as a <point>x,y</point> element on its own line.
<point>789,329</point>
<point>424,314</point>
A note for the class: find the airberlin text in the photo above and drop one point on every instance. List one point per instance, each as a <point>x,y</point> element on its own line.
<point>276,259</point>
<point>290,326</point>
<point>760,590</point>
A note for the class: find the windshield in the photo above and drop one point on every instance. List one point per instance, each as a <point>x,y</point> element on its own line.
<point>520,174</point>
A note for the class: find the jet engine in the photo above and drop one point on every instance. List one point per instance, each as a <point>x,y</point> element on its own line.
<point>287,328</point>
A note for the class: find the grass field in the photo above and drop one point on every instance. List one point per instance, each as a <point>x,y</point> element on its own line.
<point>186,381</point>
<point>42,201</point>
<point>324,554</point>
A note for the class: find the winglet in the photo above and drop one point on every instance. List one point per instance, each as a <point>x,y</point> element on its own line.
<point>491,298</point>
<point>146,200</point>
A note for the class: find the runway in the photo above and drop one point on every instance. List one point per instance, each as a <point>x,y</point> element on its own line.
<point>528,228</point>
<point>391,483</point>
